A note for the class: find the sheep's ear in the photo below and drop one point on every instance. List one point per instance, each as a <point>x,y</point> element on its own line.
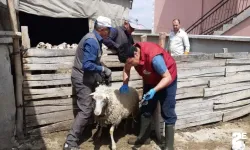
<point>92,94</point>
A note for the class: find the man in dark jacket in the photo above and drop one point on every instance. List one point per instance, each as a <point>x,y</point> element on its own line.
<point>87,71</point>
<point>120,38</point>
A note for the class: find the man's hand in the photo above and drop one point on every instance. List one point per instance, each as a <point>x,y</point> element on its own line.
<point>149,95</point>
<point>107,72</point>
<point>186,53</point>
<point>124,89</point>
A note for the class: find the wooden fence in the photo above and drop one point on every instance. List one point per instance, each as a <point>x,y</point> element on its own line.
<point>211,88</point>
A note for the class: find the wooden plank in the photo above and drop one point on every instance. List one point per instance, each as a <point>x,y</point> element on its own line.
<point>189,106</point>
<point>194,114</point>
<point>188,101</point>
<point>46,83</point>
<point>190,92</point>
<point>10,34</point>
<point>50,102</point>
<point>43,119</point>
<point>206,63</point>
<point>6,40</point>
<point>46,109</point>
<point>47,66</point>
<point>231,97</point>
<point>49,95</point>
<point>183,73</point>
<point>112,64</point>
<point>110,58</point>
<point>116,76</point>
<point>109,51</point>
<point>202,122</point>
<point>196,109</point>
<point>226,89</point>
<point>134,84</point>
<point>238,61</point>
<point>35,52</point>
<point>236,113</point>
<point>237,68</point>
<point>194,57</point>
<point>25,37</point>
<point>194,119</point>
<point>56,127</point>
<point>239,77</point>
<point>48,60</point>
<point>189,82</point>
<point>231,55</point>
<point>233,104</point>
<point>48,90</point>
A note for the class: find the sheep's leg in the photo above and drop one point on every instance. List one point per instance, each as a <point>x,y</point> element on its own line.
<point>111,131</point>
<point>99,132</point>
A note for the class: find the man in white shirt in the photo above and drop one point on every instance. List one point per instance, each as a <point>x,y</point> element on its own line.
<point>178,42</point>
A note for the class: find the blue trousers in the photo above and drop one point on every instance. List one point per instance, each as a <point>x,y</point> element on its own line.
<point>167,100</point>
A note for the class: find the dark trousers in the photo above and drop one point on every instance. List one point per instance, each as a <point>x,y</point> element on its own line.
<point>85,103</point>
<point>167,100</point>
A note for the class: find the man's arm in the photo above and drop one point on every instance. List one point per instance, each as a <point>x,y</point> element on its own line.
<point>186,43</point>
<point>110,41</point>
<point>161,68</point>
<point>126,73</point>
<point>90,54</point>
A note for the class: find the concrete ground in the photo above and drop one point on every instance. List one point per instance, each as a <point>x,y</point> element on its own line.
<point>209,137</point>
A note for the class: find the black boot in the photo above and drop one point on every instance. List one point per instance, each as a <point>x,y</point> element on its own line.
<point>145,130</point>
<point>169,137</point>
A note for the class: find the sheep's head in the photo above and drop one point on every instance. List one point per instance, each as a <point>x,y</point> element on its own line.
<point>101,101</point>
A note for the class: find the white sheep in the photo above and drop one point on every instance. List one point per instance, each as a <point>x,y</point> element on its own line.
<point>111,107</point>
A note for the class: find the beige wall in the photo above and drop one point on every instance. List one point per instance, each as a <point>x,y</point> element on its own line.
<point>242,29</point>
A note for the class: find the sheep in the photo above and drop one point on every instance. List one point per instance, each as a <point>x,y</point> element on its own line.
<point>111,107</point>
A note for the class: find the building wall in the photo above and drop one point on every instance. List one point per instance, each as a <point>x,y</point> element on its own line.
<point>242,29</point>
<point>189,12</point>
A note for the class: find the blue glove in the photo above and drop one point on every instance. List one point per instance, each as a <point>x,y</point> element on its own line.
<point>149,95</point>
<point>124,89</point>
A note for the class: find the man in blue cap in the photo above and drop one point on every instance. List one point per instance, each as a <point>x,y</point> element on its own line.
<point>87,71</point>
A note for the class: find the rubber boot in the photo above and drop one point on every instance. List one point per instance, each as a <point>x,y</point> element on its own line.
<point>145,130</point>
<point>169,137</point>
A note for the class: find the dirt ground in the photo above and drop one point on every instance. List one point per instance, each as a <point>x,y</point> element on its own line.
<point>208,137</point>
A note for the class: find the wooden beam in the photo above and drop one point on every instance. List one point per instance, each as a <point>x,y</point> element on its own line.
<point>50,102</point>
<point>190,92</point>
<point>199,64</point>
<point>134,84</point>
<point>46,83</point>
<point>47,77</point>
<point>238,61</point>
<point>10,34</point>
<point>48,118</point>
<point>46,109</point>
<point>231,97</point>
<point>194,107</point>
<point>239,77</point>
<point>226,89</point>
<point>56,127</point>
<point>162,39</point>
<point>17,71</point>
<point>47,66</point>
<point>6,40</point>
<point>35,52</point>
<point>28,91</point>
<point>202,122</point>
<point>233,104</point>
<point>194,114</point>
<point>236,113</point>
<point>190,82</point>
<point>25,37</point>
<point>48,60</point>
<point>188,101</point>
<point>49,95</point>
<point>194,57</point>
<point>231,55</point>
<point>184,73</point>
<point>237,68</point>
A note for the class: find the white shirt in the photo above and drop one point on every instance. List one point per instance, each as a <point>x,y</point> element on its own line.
<point>178,43</point>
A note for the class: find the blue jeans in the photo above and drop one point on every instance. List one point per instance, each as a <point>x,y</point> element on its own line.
<point>167,100</point>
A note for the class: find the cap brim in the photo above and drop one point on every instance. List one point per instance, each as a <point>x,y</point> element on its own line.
<point>135,26</point>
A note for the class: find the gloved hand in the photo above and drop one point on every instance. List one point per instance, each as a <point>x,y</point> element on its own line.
<point>124,89</point>
<point>149,95</point>
<point>107,72</point>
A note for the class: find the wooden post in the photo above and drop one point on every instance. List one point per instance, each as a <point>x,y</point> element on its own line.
<point>162,39</point>
<point>25,37</point>
<point>18,71</point>
<point>143,38</point>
